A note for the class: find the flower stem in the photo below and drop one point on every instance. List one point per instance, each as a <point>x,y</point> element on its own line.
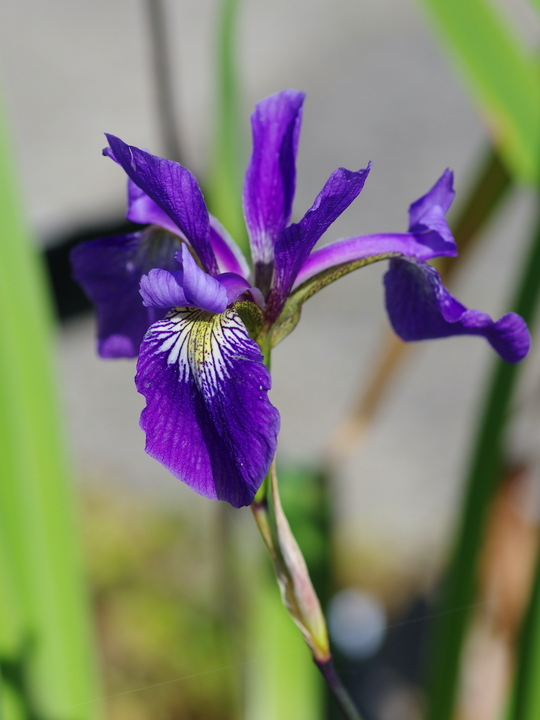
<point>338,690</point>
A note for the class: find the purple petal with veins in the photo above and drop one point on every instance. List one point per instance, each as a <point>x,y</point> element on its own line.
<point>208,419</point>
<point>271,175</point>
<point>201,290</point>
<point>173,188</point>
<point>143,210</point>
<point>297,241</point>
<point>421,308</point>
<point>163,289</point>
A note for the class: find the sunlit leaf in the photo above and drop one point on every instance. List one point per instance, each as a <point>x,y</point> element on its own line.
<point>502,75</point>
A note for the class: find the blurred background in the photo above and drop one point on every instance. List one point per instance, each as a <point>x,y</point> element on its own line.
<point>380,87</point>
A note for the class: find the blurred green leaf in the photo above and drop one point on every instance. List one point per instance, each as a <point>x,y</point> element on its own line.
<point>40,548</point>
<point>502,75</point>
<point>224,187</point>
<point>483,477</point>
<point>282,680</point>
<point>525,700</point>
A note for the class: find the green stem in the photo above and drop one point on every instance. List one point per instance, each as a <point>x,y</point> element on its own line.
<point>274,530</point>
<point>338,690</point>
<point>482,482</point>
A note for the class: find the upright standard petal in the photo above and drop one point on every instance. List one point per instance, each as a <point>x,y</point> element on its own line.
<point>174,189</point>
<point>109,270</point>
<point>423,213</point>
<point>208,418</point>
<point>421,308</point>
<point>271,175</point>
<point>297,241</point>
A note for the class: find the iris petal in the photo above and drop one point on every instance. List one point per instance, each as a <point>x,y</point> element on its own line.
<point>421,308</point>
<point>163,289</point>
<point>436,201</point>
<point>109,270</point>
<point>202,291</point>
<point>208,418</point>
<point>271,175</point>
<point>234,285</point>
<point>228,255</point>
<point>429,236</point>
<point>143,210</point>
<point>173,188</point>
<point>297,241</point>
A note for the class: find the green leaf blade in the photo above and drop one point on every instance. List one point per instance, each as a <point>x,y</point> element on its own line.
<point>502,75</point>
<point>39,536</point>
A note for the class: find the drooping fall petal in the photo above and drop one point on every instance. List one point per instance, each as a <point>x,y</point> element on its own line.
<point>208,418</point>
<point>109,271</point>
<point>421,308</point>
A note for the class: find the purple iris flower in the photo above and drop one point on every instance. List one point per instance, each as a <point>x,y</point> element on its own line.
<point>180,294</point>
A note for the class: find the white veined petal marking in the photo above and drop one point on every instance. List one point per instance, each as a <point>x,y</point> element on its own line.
<point>202,345</point>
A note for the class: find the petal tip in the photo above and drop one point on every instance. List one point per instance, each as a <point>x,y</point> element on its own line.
<point>510,337</point>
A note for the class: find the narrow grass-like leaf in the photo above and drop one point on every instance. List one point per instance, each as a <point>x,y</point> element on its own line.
<point>502,75</point>
<point>525,700</point>
<point>12,643</point>
<point>481,484</point>
<point>36,508</point>
<point>224,187</point>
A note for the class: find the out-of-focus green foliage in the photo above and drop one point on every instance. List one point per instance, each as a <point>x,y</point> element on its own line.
<point>502,74</point>
<point>525,700</point>
<point>282,680</point>
<point>224,185</point>
<point>166,652</point>
<point>45,648</point>
<point>483,477</point>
